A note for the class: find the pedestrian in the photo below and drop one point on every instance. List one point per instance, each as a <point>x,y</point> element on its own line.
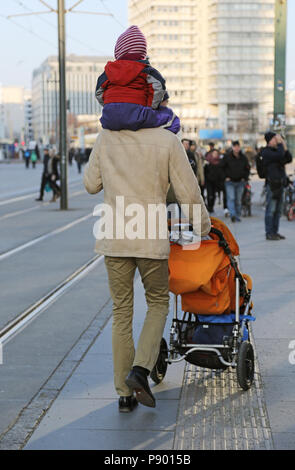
<point>190,155</point>
<point>45,175</point>
<point>223,190</point>
<point>274,156</point>
<point>78,159</point>
<point>135,168</point>
<point>200,165</point>
<point>27,156</point>
<point>34,158</point>
<point>138,166</point>
<point>211,148</point>
<point>236,171</point>
<point>214,177</point>
<point>71,155</point>
<point>87,154</point>
<point>53,175</point>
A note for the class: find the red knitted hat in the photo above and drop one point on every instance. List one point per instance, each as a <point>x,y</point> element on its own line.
<point>131,44</point>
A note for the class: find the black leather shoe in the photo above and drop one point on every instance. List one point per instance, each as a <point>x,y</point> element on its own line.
<point>127,404</point>
<point>39,199</point>
<point>272,237</point>
<point>281,236</point>
<point>139,383</point>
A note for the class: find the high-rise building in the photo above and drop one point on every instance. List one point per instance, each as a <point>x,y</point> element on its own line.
<point>12,112</point>
<point>218,60</point>
<point>241,67</point>
<point>28,118</point>
<point>81,77</point>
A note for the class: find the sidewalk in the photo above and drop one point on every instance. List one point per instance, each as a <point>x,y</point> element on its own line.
<point>196,408</point>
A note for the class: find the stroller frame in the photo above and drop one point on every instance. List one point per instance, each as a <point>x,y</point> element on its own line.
<point>239,352</point>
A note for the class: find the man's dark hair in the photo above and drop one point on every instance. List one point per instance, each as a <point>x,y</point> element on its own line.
<point>211,144</point>
<point>235,142</point>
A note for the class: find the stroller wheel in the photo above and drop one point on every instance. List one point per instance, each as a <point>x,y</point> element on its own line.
<point>159,371</point>
<point>245,366</point>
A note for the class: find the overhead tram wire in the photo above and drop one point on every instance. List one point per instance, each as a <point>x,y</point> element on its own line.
<point>27,30</point>
<point>78,41</point>
<point>61,11</point>
<point>113,16</point>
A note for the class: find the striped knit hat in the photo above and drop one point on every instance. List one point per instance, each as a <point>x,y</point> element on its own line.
<point>131,44</point>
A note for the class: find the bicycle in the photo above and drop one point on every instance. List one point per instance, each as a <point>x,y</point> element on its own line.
<point>289,200</point>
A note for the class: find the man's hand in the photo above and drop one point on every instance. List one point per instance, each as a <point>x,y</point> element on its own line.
<point>280,140</point>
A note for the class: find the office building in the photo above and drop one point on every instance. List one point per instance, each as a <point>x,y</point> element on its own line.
<point>12,113</point>
<point>218,60</point>
<point>81,77</point>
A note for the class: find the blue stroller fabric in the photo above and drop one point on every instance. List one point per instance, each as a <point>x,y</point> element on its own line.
<point>213,328</point>
<point>227,318</point>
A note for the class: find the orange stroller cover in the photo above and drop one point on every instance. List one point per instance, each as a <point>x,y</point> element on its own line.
<point>204,277</point>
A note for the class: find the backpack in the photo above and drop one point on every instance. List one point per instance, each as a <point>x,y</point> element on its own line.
<point>260,165</point>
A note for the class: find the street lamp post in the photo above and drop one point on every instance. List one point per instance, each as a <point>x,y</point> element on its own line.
<point>280,65</point>
<point>61,11</point>
<point>62,106</point>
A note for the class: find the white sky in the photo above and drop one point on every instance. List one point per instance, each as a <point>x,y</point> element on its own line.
<point>21,50</point>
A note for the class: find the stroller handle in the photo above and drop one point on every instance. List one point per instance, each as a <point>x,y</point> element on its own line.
<point>223,244</point>
<point>222,241</point>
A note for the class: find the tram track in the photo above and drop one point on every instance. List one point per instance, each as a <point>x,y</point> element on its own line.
<point>43,237</point>
<point>31,209</point>
<point>27,316</point>
<point>28,194</point>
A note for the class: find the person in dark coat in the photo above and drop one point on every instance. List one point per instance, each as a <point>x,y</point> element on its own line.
<point>275,156</point>
<point>54,175</point>
<point>45,174</point>
<point>214,177</point>
<point>79,159</point>
<point>236,169</point>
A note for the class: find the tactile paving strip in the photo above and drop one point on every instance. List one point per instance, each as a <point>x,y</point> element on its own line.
<point>216,414</point>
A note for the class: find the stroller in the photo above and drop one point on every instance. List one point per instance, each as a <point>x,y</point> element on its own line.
<point>212,330</point>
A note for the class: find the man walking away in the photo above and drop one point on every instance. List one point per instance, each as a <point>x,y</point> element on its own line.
<point>214,178</point>
<point>236,169</point>
<point>53,175</point>
<point>45,174</point>
<point>274,156</point>
<point>137,167</point>
<point>27,156</point>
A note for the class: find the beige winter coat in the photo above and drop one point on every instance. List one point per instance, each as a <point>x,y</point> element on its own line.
<point>136,168</point>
